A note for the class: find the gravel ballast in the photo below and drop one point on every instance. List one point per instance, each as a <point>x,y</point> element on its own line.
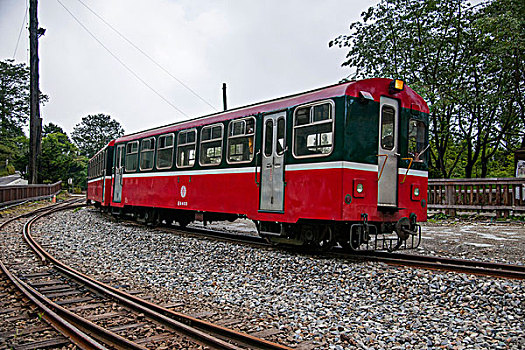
<point>296,299</point>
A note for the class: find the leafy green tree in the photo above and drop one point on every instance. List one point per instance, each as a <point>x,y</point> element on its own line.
<point>94,132</point>
<point>14,98</point>
<point>446,51</point>
<point>52,128</point>
<point>61,160</point>
<point>14,113</point>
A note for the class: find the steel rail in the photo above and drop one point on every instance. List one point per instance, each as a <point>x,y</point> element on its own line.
<point>74,334</point>
<point>88,329</point>
<point>204,331</point>
<point>476,267</point>
<point>450,264</point>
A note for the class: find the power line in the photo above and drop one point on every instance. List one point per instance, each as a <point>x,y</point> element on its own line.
<point>120,61</point>
<point>20,34</point>
<point>148,56</point>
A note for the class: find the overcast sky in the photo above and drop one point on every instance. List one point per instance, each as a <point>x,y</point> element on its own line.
<point>261,49</point>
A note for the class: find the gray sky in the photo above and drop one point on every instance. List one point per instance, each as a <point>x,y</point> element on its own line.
<point>261,49</point>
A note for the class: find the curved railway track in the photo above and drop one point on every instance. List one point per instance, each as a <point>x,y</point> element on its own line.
<point>449,264</point>
<point>400,259</point>
<point>94,315</point>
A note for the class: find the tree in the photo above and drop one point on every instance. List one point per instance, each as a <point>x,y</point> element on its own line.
<point>14,98</point>
<point>94,132</point>
<point>52,128</point>
<point>14,113</point>
<point>61,160</point>
<point>447,52</point>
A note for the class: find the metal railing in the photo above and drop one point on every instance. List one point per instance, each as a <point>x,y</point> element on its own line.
<point>489,194</point>
<point>17,193</point>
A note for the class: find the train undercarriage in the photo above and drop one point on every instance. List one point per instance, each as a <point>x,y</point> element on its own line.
<point>316,234</point>
<point>357,236</point>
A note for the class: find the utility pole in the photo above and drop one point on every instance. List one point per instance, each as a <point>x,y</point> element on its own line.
<point>35,124</point>
<point>224,96</point>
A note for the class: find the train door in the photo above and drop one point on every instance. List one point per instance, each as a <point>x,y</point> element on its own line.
<point>104,168</point>
<point>119,170</point>
<point>272,164</point>
<point>388,152</point>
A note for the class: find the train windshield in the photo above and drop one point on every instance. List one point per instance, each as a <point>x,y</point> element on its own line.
<point>416,140</point>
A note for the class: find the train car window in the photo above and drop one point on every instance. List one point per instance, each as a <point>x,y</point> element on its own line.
<point>211,145</point>
<point>268,138</point>
<point>165,151</point>
<point>97,165</point>
<point>132,156</point>
<point>147,153</point>
<point>387,128</point>
<point>241,135</point>
<point>280,135</point>
<point>302,116</point>
<point>416,140</point>
<point>104,162</point>
<point>186,147</point>
<point>313,130</point>
<point>321,113</point>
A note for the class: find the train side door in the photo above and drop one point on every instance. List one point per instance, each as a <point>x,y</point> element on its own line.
<point>272,164</point>
<point>119,170</point>
<point>388,152</point>
<point>105,160</point>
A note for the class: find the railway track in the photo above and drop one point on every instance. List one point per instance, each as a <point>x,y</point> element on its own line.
<point>449,264</point>
<point>400,259</point>
<point>94,315</point>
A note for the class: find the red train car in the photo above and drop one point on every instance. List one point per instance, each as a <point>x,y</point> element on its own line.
<point>99,176</point>
<point>344,164</point>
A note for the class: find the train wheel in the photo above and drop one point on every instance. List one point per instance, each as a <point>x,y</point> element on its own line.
<point>326,238</point>
<point>151,217</point>
<point>183,222</point>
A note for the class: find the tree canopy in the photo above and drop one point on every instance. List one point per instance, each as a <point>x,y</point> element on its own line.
<point>60,160</point>
<point>52,128</point>
<point>14,98</point>
<point>94,132</point>
<point>466,62</point>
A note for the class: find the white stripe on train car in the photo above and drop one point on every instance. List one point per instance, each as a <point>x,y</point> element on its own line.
<point>413,172</point>
<point>99,178</point>
<point>332,165</point>
<point>192,172</point>
<point>291,167</point>
<point>93,180</point>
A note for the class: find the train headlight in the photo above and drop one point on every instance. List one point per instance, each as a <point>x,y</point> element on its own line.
<point>396,85</point>
<point>359,188</point>
<point>415,192</point>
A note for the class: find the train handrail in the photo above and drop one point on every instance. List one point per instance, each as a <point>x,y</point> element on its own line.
<point>256,157</point>
<point>409,166</point>
<point>384,163</point>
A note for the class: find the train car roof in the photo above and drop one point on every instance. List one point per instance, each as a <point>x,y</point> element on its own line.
<point>110,143</point>
<point>377,87</point>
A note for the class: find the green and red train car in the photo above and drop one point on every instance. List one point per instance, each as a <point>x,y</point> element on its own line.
<point>345,164</point>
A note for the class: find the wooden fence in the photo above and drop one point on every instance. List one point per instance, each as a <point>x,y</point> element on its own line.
<point>17,193</point>
<point>491,194</point>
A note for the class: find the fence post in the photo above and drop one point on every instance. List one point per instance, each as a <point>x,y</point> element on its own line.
<point>450,199</point>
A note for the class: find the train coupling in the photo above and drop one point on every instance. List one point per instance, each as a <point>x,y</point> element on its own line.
<point>408,234</point>
<point>365,236</point>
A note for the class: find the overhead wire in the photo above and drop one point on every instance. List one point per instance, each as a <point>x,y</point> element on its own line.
<point>147,56</point>
<point>20,33</point>
<point>121,62</point>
